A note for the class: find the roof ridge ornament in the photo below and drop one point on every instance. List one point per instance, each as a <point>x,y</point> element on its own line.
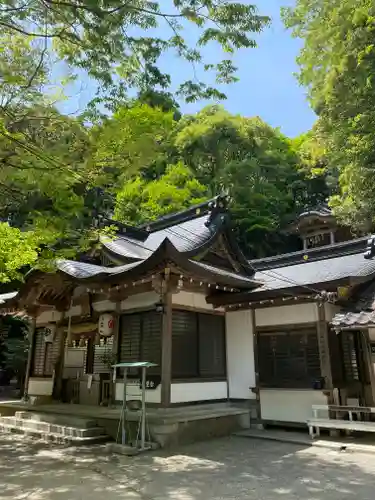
<point>370,248</point>
<point>217,205</point>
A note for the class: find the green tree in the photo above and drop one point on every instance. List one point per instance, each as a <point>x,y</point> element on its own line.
<point>119,43</point>
<point>257,165</point>
<point>337,66</point>
<point>141,200</point>
<point>128,142</point>
<point>14,345</point>
<point>17,249</point>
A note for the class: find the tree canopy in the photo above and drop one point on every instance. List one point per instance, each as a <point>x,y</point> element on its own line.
<point>337,66</point>
<point>120,43</point>
<point>132,154</point>
<point>175,190</point>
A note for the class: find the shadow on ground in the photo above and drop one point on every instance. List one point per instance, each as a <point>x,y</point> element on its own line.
<point>231,468</point>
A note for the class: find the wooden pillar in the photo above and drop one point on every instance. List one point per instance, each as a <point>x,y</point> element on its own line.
<point>31,335</point>
<point>116,349</point>
<point>61,335</point>
<point>166,349</point>
<point>256,363</point>
<point>324,354</point>
<point>369,394</point>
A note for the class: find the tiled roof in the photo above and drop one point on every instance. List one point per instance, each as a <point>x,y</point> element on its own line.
<point>319,271</point>
<point>185,236</point>
<point>166,252</point>
<point>356,246</point>
<point>361,309</point>
<point>7,296</point>
<point>354,319</point>
<point>81,270</point>
<point>321,211</point>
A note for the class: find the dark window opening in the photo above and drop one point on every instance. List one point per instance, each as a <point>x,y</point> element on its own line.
<point>198,345</point>
<point>353,356</point>
<point>140,340</point>
<point>45,354</point>
<point>289,359</point>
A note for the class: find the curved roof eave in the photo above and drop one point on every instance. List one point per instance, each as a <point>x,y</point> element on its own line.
<point>164,255</point>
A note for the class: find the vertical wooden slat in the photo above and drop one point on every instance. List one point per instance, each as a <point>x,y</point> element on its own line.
<point>32,328</point>
<point>323,342</point>
<point>166,352</point>
<point>369,366</point>
<point>59,361</point>
<point>254,333</point>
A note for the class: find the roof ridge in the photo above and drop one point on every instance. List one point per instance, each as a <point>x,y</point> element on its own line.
<point>212,206</point>
<point>328,251</point>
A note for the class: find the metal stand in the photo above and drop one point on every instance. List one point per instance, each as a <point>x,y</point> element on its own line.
<point>143,417</point>
<point>143,445</point>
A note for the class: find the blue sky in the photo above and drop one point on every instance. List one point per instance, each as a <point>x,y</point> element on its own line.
<point>267,86</point>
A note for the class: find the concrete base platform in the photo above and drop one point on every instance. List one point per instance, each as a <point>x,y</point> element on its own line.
<point>358,443</point>
<point>168,426</point>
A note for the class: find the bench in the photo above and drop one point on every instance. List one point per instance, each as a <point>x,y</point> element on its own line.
<point>339,423</point>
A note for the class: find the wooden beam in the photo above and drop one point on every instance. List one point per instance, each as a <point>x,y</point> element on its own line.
<point>32,328</point>
<point>166,350</point>
<point>323,342</point>
<point>281,329</point>
<point>255,334</point>
<point>370,393</point>
<point>61,334</point>
<point>115,348</point>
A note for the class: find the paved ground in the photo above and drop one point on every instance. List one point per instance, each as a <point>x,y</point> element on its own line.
<point>227,469</point>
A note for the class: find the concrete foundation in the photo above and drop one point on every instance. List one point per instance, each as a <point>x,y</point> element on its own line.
<point>168,427</point>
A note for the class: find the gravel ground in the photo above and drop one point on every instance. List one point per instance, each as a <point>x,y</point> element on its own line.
<point>230,468</point>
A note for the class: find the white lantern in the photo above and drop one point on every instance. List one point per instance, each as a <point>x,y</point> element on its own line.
<point>106,325</point>
<point>49,333</point>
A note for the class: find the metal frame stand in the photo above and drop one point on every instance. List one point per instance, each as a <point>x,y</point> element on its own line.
<point>141,445</point>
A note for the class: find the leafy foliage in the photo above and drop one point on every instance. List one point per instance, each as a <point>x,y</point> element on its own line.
<point>140,201</point>
<point>17,250</point>
<point>119,43</point>
<point>128,142</point>
<point>337,65</point>
<point>256,164</point>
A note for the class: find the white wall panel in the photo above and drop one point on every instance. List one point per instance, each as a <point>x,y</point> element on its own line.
<point>240,354</point>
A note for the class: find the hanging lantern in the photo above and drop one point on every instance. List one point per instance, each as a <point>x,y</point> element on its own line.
<point>106,324</point>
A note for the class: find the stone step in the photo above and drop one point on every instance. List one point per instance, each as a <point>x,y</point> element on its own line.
<point>55,438</point>
<point>58,419</point>
<point>53,432</point>
<point>64,430</point>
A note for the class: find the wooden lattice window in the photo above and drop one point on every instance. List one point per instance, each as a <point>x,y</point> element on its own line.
<point>45,354</point>
<point>353,357</point>
<point>289,358</point>
<point>140,339</point>
<point>198,345</point>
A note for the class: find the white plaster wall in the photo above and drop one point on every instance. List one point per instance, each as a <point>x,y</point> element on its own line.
<point>48,317</point>
<point>104,306</point>
<point>240,354</point>
<point>74,357</point>
<point>186,392</point>
<point>140,300</point>
<point>134,392</point>
<point>40,387</point>
<point>191,299</point>
<point>291,314</point>
<point>289,405</point>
